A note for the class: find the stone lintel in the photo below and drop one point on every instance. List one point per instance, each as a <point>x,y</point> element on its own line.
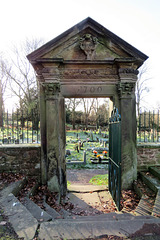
<point>88,90</point>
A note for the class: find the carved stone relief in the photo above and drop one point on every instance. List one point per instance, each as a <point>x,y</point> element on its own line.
<point>87,73</point>
<point>125,89</point>
<point>88,44</point>
<point>51,88</point>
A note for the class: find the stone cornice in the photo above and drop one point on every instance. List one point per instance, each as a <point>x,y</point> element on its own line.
<point>128,71</point>
<point>127,74</point>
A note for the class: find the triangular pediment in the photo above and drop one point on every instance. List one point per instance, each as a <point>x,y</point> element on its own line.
<point>87,45</point>
<point>87,40</point>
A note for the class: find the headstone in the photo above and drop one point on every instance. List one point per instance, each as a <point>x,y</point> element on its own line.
<point>68,152</point>
<point>84,157</point>
<point>17,141</point>
<point>5,140</point>
<point>79,145</point>
<point>91,135</point>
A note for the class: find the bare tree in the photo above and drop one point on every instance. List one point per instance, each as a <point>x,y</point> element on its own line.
<point>3,84</point>
<point>72,104</point>
<point>20,74</point>
<point>88,106</point>
<point>141,86</point>
<point>101,111</point>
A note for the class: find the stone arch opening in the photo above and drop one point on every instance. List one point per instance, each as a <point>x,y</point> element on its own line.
<point>84,135</point>
<point>86,60</point>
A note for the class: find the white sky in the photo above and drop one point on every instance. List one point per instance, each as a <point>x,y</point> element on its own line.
<point>135,21</point>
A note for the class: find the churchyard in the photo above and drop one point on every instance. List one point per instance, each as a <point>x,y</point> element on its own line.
<point>87,147</point>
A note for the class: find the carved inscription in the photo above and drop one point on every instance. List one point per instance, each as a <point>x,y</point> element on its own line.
<point>87,73</point>
<point>89,89</point>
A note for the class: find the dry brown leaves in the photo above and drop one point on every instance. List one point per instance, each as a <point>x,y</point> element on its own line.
<point>129,200</point>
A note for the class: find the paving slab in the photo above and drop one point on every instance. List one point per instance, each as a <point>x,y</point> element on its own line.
<point>85,200</point>
<point>89,196</point>
<point>86,188</point>
<point>24,224</point>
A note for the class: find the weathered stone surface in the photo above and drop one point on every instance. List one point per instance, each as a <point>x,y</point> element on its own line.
<point>36,211</point>
<point>85,61</point>
<point>82,229</point>
<point>53,184</point>
<point>86,188</point>
<point>24,224</point>
<point>20,159</point>
<point>148,155</point>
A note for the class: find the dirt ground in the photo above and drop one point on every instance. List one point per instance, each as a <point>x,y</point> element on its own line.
<point>83,175</point>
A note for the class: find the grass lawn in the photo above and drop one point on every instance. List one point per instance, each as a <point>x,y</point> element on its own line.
<point>99,180</point>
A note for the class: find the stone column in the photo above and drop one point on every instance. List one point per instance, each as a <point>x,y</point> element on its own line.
<point>43,130</point>
<point>55,138</point>
<point>126,90</point>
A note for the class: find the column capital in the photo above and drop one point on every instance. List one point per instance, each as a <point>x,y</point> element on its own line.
<point>125,89</point>
<point>51,89</point>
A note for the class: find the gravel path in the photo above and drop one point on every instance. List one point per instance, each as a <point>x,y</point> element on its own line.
<point>83,175</point>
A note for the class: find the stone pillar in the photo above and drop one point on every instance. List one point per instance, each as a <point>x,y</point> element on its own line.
<point>55,138</point>
<point>126,89</point>
<point>42,101</point>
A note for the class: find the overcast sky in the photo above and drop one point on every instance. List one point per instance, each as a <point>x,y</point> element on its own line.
<point>135,21</point>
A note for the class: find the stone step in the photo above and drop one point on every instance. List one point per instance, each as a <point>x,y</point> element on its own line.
<point>156,208</point>
<point>92,229</point>
<point>52,212</point>
<point>33,190</point>
<point>13,188</point>
<point>22,221</point>
<point>37,212</point>
<point>155,171</point>
<point>106,217</point>
<point>143,207</point>
<point>86,188</point>
<point>150,182</point>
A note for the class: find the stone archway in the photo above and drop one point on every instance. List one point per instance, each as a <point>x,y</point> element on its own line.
<point>85,61</point>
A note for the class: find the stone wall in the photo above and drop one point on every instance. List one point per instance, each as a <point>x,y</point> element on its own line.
<point>20,158</point>
<point>26,158</point>
<point>148,154</point>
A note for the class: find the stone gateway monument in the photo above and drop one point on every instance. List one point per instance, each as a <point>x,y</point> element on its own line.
<point>85,61</point>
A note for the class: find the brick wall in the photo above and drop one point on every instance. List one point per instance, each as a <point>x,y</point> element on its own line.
<point>20,158</point>
<point>148,155</point>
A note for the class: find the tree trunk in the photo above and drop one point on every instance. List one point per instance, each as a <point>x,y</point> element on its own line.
<point>73,119</point>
